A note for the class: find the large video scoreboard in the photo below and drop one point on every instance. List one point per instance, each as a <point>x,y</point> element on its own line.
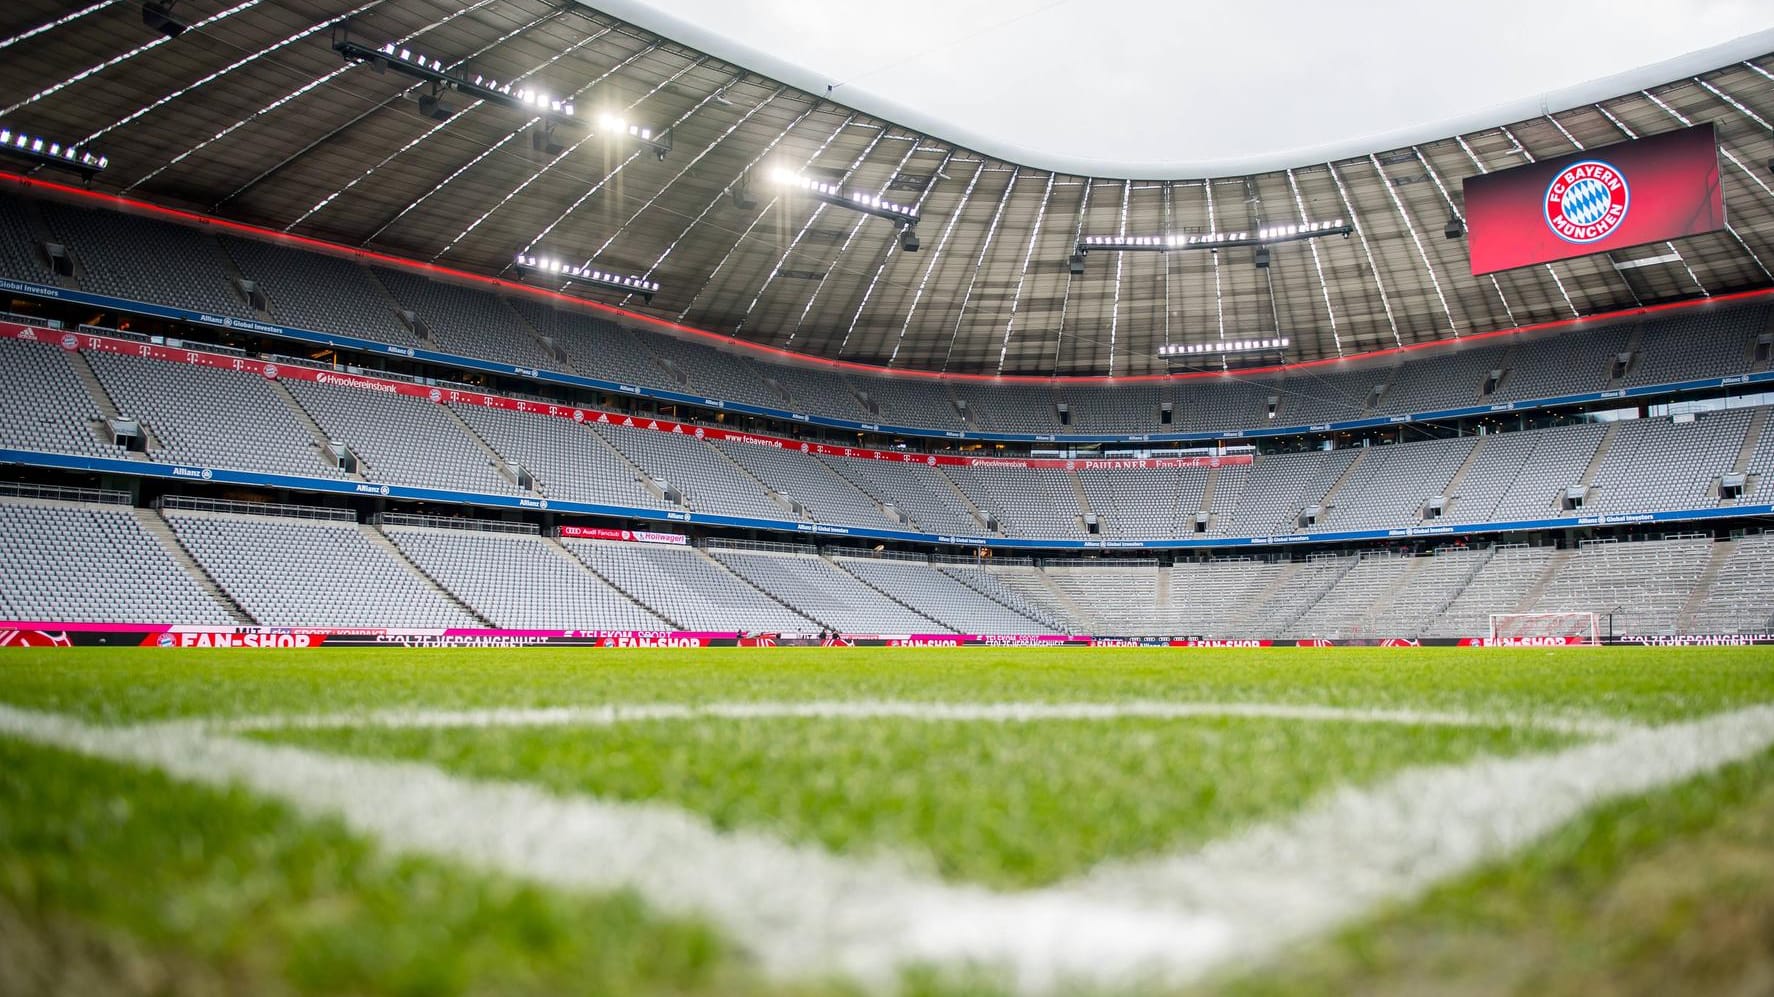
<point>1614,197</point>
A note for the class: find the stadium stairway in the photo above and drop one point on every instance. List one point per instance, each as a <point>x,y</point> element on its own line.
<point>1758,424</point>
<point>1329,501</point>
<point>838,563</point>
<point>1379,611</point>
<point>966,500</point>
<point>646,480</point>
<point>1039,589</point>
<point>1207,490</point>
<point>302,417</point>
<point>555,545</point>
<point>1702,594</point>
<point>498,463</point>
<point>1596,459</point>
<point>1083,499</point>
<point>106,404</point>
<point>1554,568</point>
<point>156,526</point>
<point>1452,488</point>
<point>786,502</point>
<point>387,546</point>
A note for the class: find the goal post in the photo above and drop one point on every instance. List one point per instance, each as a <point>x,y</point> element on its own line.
<point>1512,628</point>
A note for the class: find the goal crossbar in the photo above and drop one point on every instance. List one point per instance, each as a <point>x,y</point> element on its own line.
<point>1509,628</point>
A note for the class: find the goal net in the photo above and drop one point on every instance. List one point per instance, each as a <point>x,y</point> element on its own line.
<point>1525,628</point>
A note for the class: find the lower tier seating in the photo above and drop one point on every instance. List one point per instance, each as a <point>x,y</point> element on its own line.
<point>81,561</point>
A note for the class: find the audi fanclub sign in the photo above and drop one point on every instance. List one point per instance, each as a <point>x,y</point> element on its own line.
<point>1595,201</point>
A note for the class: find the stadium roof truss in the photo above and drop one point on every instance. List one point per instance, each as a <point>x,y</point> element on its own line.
<point>252,115</point>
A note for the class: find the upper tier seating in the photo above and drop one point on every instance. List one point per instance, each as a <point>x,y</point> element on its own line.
<point>1709,342</point>
<point>125,256</point>
<point>1565,364</point>
<point>595,347</point>
<point>1392,484</point>
<point>311,573</point>
<point>400,440</point>
<point>352,303</point>
<point>79,563</point>
<point>707,481</point>
<point>1655,464</point>
<point>134,257</point>
<point>1454,380</point>
<point>19,257</point>
<point>567,460</point>
<point>466,322</point>
<point>211,417</point>
<point>43,405</point>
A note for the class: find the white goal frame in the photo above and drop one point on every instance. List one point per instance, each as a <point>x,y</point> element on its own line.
<point>1509,628</point>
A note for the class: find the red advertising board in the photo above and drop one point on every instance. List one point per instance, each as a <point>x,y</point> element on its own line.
<point>1595,201</point>
<point>457,396</point>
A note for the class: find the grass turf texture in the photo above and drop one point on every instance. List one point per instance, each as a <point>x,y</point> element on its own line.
<point>222,891</point>
<point>1011,805</point>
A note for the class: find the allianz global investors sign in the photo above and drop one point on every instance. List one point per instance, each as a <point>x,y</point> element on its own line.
<point>1596,201</point>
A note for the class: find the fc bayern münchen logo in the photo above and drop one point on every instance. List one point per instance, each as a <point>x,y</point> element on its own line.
<point>1587,201</point>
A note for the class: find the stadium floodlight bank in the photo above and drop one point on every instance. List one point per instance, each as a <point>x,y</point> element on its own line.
<point>593,276</point>
<point>1263,236</point>
<point>420,66</point>
<point>48,152</point>
<point>905,216</point>
<point>1509,628</point>
<point>1220,346</point>
<point>658,141</point>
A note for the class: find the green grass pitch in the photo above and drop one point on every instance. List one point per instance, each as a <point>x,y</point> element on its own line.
<point>123,875</point>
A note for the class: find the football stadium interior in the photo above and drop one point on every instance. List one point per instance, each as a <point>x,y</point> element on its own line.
<point>463,323</point>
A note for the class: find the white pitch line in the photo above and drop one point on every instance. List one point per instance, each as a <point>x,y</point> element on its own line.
<point>1031,712</point>
<point>801,910</point>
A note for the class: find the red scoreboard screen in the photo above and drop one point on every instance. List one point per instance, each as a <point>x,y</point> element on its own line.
<point>1628,194</point>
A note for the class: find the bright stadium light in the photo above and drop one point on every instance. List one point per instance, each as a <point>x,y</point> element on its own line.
<point>903,215</point>
<point>658,141</point>
<point>421,66</point>
<point>1264,235</point>
<point>549,266</point>
<point>48,152</point>
<point>1225,346</point>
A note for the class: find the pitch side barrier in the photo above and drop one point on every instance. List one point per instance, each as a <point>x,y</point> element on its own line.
<point>50,634</point>
<point>216,475</point>
<point>311,337</point>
